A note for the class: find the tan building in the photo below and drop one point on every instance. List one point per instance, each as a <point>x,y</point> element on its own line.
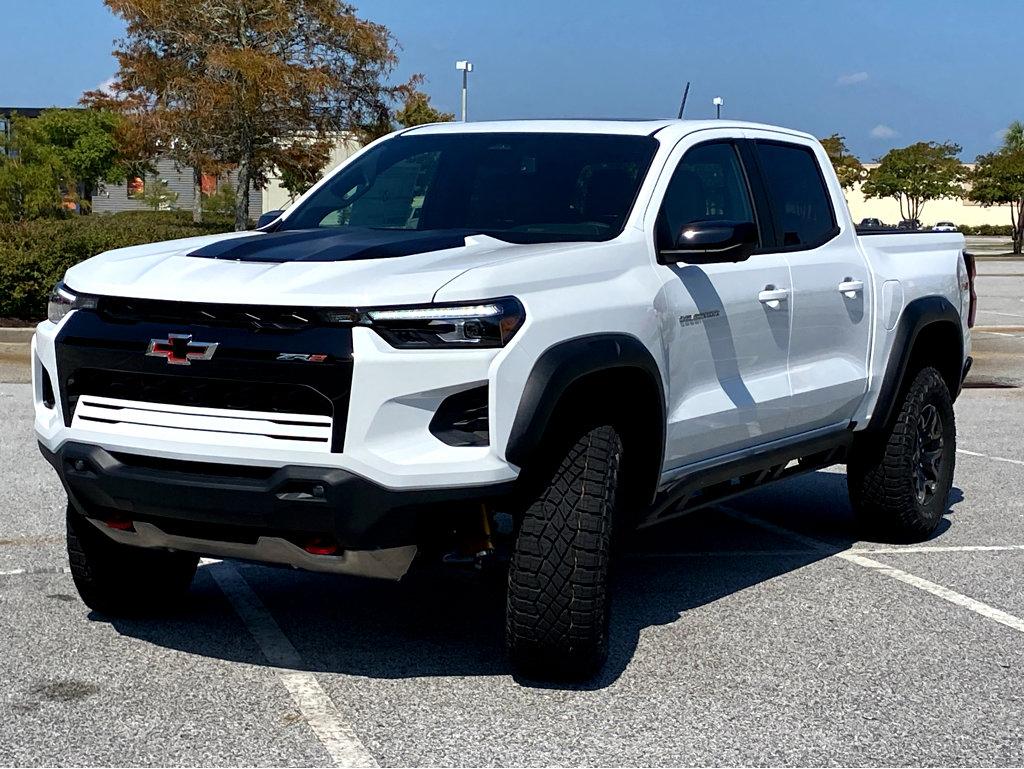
<point>960,212</point>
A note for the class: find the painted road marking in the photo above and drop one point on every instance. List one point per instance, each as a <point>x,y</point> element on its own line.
<point>936,549</point>
<point>989,456</point>
<point>317,708</point>
<point>959,599</point>
<point>989,612</point>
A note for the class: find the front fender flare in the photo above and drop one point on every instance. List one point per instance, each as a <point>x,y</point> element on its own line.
<point>564,364</point>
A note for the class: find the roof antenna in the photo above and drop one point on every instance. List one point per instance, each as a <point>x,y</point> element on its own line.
<point>682,106</point>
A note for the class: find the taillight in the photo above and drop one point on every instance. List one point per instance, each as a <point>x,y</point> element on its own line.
<point>972,272</point>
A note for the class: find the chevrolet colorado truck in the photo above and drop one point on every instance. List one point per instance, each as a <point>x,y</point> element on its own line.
<point>581,326</point>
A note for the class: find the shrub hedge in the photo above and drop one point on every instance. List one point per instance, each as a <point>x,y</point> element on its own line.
<point>35,254</point>
<point>987,229</point>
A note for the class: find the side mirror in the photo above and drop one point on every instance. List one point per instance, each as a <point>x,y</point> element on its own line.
<point>267,218</point>
<point>711,242</point>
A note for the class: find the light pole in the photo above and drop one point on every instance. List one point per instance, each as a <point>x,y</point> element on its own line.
<point>466,67</point>
<point>718,101</point>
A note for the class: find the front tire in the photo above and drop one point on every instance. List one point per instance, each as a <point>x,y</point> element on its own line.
<point>899,481</point>
<point>121,580</point>
<point>557,611</point>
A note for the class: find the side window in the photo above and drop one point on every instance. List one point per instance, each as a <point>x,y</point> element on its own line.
<point>797,193</point>
<point>707,185</point>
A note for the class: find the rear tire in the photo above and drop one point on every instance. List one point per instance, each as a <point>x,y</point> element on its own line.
<point>899,481</point>
<point>118,579</point>
<point>557,611</point>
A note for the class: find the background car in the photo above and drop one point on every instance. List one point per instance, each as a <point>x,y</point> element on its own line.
<point>944,227</point>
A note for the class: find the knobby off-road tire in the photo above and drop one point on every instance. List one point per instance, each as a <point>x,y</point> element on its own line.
<point>118,579</point>
<point>899,481</point>
<point>557,611</point>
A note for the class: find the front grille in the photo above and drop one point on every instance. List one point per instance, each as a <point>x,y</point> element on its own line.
<point>256,317</point>
<point>198,391</point>
<point>270,384</point>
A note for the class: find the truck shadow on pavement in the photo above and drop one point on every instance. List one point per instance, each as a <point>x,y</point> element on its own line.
<point>444,623</point>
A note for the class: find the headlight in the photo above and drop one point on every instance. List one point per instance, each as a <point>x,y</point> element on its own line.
<point>482,324</point>
<point>63,300</point>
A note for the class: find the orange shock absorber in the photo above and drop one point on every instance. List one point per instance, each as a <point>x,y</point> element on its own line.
<point>485,527</point>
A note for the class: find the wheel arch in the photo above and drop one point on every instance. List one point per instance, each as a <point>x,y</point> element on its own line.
<point>928,333</point>
<point>574,378</point>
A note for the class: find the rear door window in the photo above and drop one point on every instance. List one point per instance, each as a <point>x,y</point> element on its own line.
<point>801,205</point>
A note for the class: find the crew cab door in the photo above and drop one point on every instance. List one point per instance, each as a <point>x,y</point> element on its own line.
<point>725,324</point>
<point>830,287</point>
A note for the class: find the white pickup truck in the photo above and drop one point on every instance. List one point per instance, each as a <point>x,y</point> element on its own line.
<point>582,326</point>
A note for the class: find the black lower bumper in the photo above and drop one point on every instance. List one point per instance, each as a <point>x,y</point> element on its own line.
<point>241,503</point>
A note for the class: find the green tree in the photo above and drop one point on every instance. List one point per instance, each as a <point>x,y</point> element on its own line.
<point>159,196</point>
<point>998,179</point>
<point>237,79</point>
<point>27,191</point>
<point>1013,139</point>
<point>79,146</point>
<point>916,174</point>
<point>223,201</point>
<point>848,168</point>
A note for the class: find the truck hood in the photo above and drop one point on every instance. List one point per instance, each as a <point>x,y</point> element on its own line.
<point>296,267</point>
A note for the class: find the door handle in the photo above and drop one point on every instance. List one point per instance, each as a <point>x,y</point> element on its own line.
<point>850,287</point>
<point>773,297</point>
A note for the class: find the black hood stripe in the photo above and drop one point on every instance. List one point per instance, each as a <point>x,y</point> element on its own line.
<point>332,245</point>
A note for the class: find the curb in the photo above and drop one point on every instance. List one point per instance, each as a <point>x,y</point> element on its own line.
<point>16,335</point>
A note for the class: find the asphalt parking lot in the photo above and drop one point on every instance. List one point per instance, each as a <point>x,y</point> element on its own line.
<point>759,633</point>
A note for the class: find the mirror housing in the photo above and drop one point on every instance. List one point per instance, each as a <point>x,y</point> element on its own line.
<point>711,242</point>
<point>267,218</point>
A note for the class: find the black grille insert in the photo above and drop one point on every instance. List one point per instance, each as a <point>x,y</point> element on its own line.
<point>266,318</point>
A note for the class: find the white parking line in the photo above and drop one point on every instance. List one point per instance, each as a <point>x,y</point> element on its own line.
<point>988,456</point>
<point>1011,461</point>
<point>936,549</point>
<point>319,711</point>
<point>989,612</point>
<point>983,609</point>
<point>36,570</point>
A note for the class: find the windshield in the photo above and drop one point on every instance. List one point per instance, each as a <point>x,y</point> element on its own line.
<point>519,187</point>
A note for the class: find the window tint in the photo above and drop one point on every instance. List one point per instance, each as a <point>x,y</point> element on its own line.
<point>707,185</point>
<point>796,190</point>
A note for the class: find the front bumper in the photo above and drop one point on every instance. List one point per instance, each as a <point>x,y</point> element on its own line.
<point>385,433</point>
<point>215,509</point>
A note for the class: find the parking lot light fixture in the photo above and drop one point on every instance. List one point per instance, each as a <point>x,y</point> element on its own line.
<point>466,67</point>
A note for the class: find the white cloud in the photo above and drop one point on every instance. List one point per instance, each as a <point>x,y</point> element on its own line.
<point>852,79</point>
<point>107,86</point>
<point>882,131</point>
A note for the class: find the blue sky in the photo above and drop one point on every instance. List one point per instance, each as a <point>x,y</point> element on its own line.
<point>884,74</point>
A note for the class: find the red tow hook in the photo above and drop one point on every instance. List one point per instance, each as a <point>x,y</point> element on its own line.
<point>120,524</point>
<point>320,546</point>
